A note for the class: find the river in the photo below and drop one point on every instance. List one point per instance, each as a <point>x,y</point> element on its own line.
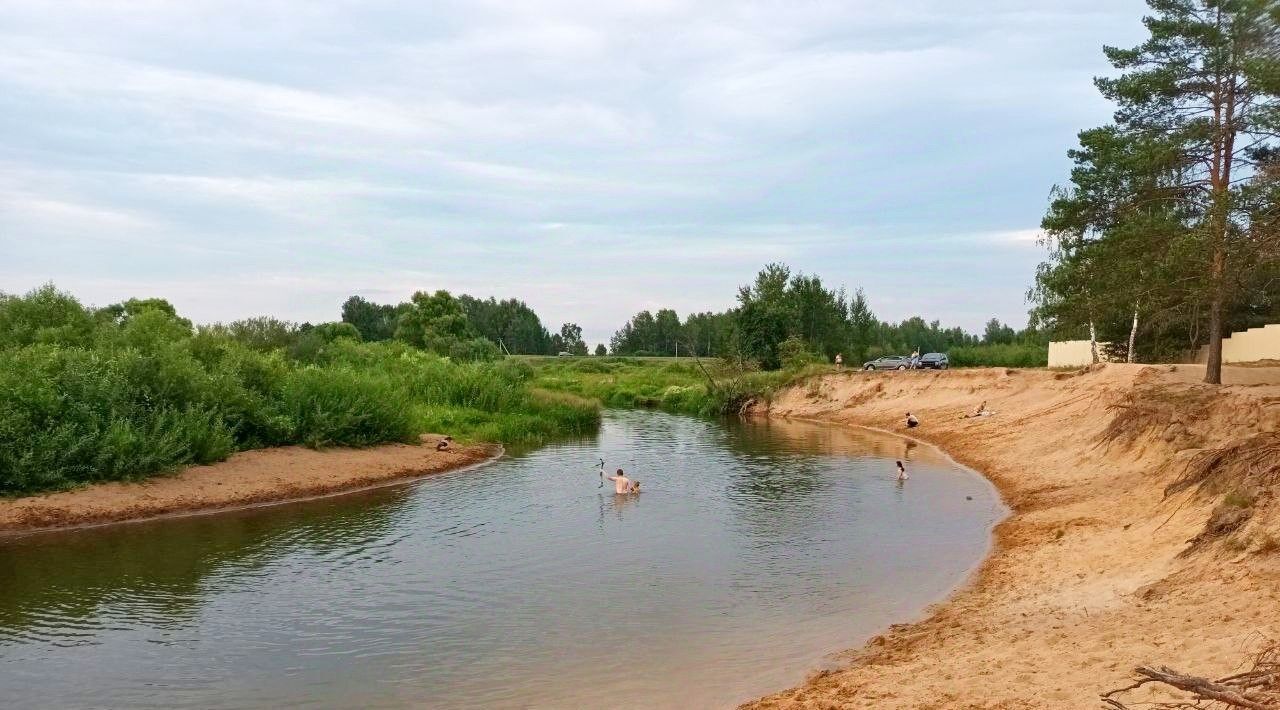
<point>756,550</point>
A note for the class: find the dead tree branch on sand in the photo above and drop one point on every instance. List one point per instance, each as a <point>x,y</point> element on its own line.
<point>1255,689</point>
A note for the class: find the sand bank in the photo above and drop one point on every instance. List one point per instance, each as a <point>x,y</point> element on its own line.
<point>1093,573</point>
<point>249,478</point>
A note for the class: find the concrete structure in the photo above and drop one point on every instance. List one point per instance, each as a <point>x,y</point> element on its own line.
<point>1074,353</point>
<point>1243,346</point>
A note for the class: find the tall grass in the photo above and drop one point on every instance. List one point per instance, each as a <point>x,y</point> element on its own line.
<point>678,387</point>
<point>135,398</point>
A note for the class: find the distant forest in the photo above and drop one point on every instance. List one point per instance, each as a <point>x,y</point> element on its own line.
<point>780,316</point>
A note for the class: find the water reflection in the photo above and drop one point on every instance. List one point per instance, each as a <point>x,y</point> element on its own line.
<point>755,548</point>
<point>154,574</point>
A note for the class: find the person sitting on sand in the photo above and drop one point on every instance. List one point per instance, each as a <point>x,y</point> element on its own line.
<point>982,412</point>
<point>443,444</point>
<point>902,472</point>
<point>912,422</point>
<point>621,484</point>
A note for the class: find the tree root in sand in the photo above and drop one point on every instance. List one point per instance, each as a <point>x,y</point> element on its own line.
<point>1249,462</point>
<point>1256,689</point>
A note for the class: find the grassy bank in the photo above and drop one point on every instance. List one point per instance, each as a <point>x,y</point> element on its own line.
<point>86,398</point>
<point>678,386</point>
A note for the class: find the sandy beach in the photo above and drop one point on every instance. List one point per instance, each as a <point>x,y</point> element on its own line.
<point>249,478</point>
<point>1095,571</point>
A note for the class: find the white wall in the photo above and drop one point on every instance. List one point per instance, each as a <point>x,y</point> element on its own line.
<point>1074,353</point>
<point>1252,344</point>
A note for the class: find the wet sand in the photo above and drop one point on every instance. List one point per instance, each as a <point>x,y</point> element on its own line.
<point>250,478</point>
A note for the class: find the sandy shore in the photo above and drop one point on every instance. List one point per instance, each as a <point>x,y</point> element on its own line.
<point>1093,573</point>
<point>245,479</point>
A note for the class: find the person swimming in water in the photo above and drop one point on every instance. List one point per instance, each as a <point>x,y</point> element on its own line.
<point>621,484</point>
<point>902,472</point>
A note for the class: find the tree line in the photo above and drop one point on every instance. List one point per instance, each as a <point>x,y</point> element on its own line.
<point>784,318</point>
<point>1167,236</point>
<point>464,327</point>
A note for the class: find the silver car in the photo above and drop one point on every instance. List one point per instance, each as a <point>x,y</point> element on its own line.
<point>888,362</point>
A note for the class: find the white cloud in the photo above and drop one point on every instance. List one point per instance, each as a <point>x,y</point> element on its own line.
<point>657,149</point>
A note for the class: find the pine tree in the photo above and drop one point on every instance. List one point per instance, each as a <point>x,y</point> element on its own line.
<point>1206,81</point>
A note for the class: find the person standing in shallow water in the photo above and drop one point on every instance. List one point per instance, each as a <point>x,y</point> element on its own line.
<point>621,484</point>
<point>902,472</point>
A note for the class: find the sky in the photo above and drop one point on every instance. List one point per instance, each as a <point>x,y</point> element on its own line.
<point>591,158</point>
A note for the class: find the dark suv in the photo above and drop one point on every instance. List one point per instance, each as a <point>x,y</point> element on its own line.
<point>933,361</point>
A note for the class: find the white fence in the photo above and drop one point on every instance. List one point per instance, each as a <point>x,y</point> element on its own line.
<point>1074,353</point>
<point>1249,345</point>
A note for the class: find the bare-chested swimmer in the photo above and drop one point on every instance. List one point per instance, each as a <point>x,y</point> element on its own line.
<point>621,484</point>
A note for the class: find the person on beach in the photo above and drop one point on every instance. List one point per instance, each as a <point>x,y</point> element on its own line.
<point>915,359</point>
<point>912,422</point>
<point>839,361</point>
<point>982,412</point>
<point>444,444</point>
<point>621,484</point>
<point>902,472</point>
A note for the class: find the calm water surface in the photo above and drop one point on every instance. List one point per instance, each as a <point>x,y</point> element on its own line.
<point>755,551</point>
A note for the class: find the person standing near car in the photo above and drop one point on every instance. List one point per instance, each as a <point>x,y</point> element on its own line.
<point>915,359</point>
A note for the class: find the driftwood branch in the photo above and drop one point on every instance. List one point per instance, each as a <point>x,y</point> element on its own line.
<point>1255,689</point>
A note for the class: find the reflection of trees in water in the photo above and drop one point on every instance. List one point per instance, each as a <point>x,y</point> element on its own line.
<point>158,571</point>
<point>832,439</point>
<point>773,483</point>
<point>782,478</point>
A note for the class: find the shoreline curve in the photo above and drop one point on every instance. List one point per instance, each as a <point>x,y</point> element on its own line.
<point>256,478</point>
<point>1089,575</point>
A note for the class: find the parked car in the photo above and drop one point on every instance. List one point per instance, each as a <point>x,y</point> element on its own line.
<point>564,353</point>
<point>888,362</point>
<point>933,361</point>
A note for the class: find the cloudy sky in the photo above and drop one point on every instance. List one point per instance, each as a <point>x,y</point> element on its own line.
<point>591,158</point>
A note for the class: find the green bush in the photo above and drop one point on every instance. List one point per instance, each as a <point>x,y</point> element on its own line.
<point>794,353</point>
<point>335,406</point>
<point>1010,355</point>
<point>44,316</point>
<point>133,390</point>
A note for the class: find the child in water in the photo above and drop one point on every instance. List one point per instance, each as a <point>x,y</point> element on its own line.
<point>902,472</point>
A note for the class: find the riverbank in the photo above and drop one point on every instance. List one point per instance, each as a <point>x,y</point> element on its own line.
<point>249,478</point>
<point>1094,573</point>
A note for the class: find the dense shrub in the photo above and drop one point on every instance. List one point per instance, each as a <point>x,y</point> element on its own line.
<point>1010,355</point>
<point>46,315</point>
<point>133,390</point>
<point>337,406</point>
